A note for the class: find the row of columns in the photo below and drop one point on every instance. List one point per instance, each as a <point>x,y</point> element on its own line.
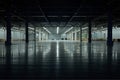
<point>43,35</point>
<point>9,26</point>
<point>8,32</point>
<point>109,30</point>
<point>72,35</point>
<point>26,32</point>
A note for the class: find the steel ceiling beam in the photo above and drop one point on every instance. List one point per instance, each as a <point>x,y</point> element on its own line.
<point>45,16</point>
<point>71,18</point>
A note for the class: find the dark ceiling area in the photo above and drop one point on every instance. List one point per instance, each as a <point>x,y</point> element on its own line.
<point>60,12</point>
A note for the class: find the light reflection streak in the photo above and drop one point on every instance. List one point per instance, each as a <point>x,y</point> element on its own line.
<point>57,59</point>
<point>57,49</point>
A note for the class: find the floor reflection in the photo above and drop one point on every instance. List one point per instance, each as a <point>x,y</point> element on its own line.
<point>60,60</point>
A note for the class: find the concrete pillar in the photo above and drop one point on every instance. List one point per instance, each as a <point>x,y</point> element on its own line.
<point>109,31</point>
<point>80,33</point>
<point>26,32</point>
<point>89,31</point>
<point>75,34</point>
<point>34,33</point>
<point>8,27</point>
<point>39,35</point>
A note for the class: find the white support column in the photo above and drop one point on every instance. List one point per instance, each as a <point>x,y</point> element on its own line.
<point>39,34</point>
<point>75,34</point>
<point>42,34</point>
<point>72,36</point>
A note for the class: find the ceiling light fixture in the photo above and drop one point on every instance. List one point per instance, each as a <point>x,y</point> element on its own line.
<point>47,30</point>
<point>57,30</point>
<point>68,29</point>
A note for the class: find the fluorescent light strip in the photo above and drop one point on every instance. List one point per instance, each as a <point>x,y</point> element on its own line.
<point>68,29</point>
<point>77,31</point>
<point>31,28</point>
<point>47,30</point>
<point>57,30</point>
<point>57,49</point>
<point>84,28</point>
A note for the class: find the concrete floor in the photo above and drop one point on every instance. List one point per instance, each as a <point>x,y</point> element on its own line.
<point>60,60</point>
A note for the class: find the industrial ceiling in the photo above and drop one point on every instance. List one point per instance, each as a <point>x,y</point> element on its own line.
<point>62,13</point>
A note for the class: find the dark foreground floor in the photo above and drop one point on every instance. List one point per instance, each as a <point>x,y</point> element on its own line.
<point>60,60</point>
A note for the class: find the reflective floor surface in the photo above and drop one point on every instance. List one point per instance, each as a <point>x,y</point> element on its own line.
<point>60,60</point>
